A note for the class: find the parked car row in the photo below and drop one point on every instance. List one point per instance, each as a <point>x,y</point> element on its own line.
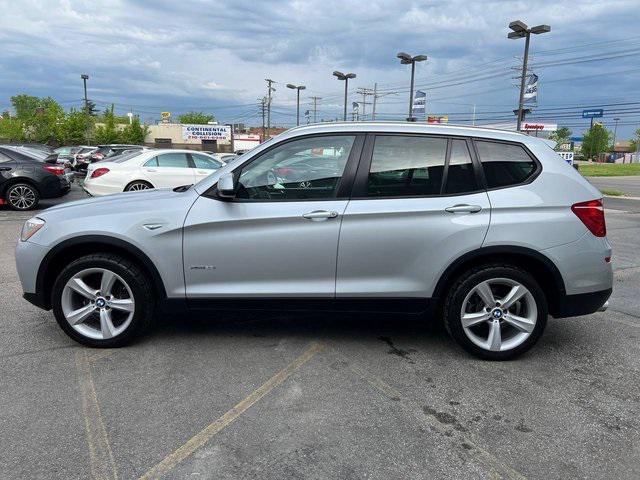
<point>148,169</point>
<point>109,169</point>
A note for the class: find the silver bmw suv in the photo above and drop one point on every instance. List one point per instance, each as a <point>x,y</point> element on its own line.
<point>489,230</point>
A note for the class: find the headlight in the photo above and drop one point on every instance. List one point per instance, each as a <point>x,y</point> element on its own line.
<point>30,227</point>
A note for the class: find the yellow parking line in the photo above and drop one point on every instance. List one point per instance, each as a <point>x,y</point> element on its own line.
<point>103,466</point>
<point>495,468</point>
<point>201,438</point>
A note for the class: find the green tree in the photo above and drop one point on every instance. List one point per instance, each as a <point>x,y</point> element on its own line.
<point>596,141</point>
<point>561,136</point>
<point>74,127</point>
<point>134,133</point>
<point>107,131</point>
<point>197,118</point>
<point>39,118</point>
<point>92,109</point>
<point>635,141</point>
<point>11,128</point>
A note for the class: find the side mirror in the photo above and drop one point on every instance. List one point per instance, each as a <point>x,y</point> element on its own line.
<point>226,186</point>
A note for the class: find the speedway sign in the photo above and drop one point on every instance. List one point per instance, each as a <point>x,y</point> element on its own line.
<point>538,126</point>
<point>206,132</point>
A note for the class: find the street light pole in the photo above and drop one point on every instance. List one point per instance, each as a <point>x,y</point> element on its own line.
<point>407,59</point>
<point>521,30</point>
<point>298,88</point>
<point>345,77</point>
<point>85,77</point>
<point>269,90</point>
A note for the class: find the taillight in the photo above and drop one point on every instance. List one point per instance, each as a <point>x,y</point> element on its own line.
<point>55,169</point>
<point>98,172</point>
<point>591,213</point>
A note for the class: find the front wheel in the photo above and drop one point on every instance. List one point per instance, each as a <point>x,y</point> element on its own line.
<point>103,300</point>
<point>496,312</point>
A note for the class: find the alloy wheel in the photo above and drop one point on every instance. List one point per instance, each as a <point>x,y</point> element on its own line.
<point>98,303</point>
<point>22,197</point>
<point>499,314</point>
<point>138,186</point>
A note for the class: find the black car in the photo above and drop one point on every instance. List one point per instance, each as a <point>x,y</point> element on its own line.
<point>25,179</point>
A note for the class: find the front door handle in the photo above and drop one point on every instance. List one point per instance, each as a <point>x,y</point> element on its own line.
<point>464,208</point>
<point>151,170</point>
<point>320,215</point>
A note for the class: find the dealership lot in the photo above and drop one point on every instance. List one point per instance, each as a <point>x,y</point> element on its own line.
<point>321,396</point>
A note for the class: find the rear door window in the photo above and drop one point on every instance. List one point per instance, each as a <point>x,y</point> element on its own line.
<point>504,164</point>
<point>406,166</point>
<point>173,160</point>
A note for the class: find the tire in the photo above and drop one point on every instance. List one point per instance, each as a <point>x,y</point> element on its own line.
<point>103,319</point>
<point>137,185</point>
<point>22,197</point>
<point>509,331</point>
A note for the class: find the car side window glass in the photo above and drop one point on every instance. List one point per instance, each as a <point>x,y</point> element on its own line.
<point>152,163</point>
<point>204,162</point>
<point>406,166</point>
<point>173,160</point>
<point>504,164</point>
<point>4,158</point>
<point>307,168</point>
<point>461,177</point>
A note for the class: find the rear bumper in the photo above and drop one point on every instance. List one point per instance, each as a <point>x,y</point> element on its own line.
<point>582,304</point>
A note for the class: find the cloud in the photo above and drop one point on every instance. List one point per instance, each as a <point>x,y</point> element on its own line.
<point>180,55</point>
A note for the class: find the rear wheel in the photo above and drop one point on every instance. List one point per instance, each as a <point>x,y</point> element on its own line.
<point>496,312</point>
<point>22,196</point>
<point>138,185</point>
<point>103,300</point>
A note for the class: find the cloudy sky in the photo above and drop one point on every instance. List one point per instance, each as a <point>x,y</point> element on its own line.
<point>153,56</point>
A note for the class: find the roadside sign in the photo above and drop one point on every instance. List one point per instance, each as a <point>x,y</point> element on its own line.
<point>593,113</point>
<point>567,157</point>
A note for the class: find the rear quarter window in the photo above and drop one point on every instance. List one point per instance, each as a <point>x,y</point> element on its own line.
<point>504,164</point>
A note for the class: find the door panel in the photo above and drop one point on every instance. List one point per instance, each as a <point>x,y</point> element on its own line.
<point>278,237</point>
<point>169,170</point>
<point>261,249</point>
<point>400,247</point>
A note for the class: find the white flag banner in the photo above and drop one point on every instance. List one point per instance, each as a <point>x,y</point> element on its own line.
<point>420,103</point>
<point>531,89</point>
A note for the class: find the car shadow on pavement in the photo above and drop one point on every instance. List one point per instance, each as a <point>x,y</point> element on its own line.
<point>305,326</point>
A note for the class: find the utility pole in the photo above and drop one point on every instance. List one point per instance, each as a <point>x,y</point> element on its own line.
<point>521,30</point>
<point>315,107</point>
<point>473,122</point>
<point>263,109</point>
<point>269,90</point>
<point>375,99</point>
<point>615,131</point>
<point>365,92</point>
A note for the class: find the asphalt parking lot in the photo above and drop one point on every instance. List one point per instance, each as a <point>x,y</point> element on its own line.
<point>316,396</point>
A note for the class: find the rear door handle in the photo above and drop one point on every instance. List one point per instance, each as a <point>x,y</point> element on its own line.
<point>464,208</point>
<point>151,170</point>
<point>5,169</point>
<point>320,215</point>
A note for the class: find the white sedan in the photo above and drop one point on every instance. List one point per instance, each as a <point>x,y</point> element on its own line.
<point>148,169</point>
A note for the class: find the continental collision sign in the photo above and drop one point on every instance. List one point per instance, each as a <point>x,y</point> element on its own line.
<point>206,132</point>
